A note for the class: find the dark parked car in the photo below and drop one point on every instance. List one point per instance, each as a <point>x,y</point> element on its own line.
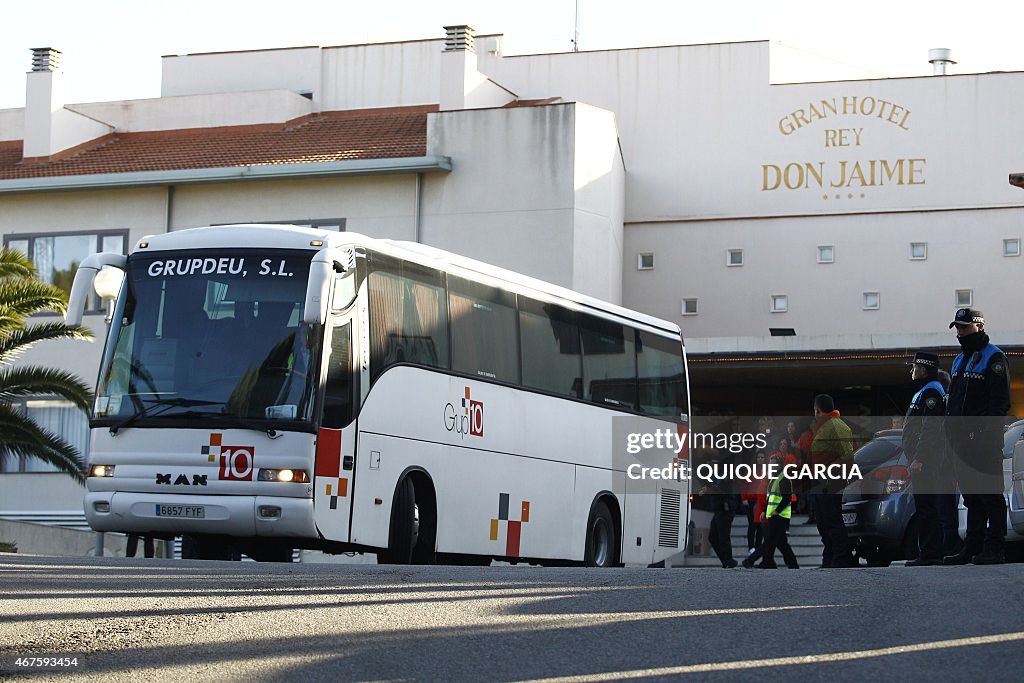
<point>878,510</point>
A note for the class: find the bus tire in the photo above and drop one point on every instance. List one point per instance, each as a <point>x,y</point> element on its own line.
<point>425,550</point>
<point>602,538</point>
<point>404,529</point>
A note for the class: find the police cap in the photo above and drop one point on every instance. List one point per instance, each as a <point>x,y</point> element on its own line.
<point>928,360</point>
<point>967,316</point>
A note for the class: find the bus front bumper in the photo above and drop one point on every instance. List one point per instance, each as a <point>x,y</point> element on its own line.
<point>177,514</point>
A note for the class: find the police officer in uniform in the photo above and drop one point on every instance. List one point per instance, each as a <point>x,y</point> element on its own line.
<point>923,443</point>
<point>979,399</point>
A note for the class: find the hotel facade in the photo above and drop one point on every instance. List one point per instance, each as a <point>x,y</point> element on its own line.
<point>807,237</point>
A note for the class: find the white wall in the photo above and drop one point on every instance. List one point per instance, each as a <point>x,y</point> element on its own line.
<point>12,122</point>
<point>378,206</point>
<point>296,69</point>
<point>509,199</point>
<point>699,122</point>
<point>599,193</point>
<point>198,111</point>
<point>385,75</point>
<point>871,254</point>
<point>343,77</point>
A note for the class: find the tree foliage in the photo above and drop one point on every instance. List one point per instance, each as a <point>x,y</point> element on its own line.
<point>23,294</point>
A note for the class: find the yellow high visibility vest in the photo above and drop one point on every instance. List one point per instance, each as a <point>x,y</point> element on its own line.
<point>775,499</point>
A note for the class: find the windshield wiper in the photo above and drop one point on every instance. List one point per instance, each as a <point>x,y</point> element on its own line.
<point>242,422</point>
<point>164,404</point>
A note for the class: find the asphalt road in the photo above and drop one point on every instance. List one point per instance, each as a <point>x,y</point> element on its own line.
<point>130,620</point>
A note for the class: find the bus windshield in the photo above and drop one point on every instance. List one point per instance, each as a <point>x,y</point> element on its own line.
<point>211,336</point>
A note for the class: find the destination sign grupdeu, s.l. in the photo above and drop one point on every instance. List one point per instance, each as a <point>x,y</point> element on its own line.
<point>844,178</point>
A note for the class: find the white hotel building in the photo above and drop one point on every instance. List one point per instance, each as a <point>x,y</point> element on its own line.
<point>807,237</point>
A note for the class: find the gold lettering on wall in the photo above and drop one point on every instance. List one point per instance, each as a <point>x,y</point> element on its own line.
<point>840,178</point>
<point>802,175</point>
<point>851,105</point>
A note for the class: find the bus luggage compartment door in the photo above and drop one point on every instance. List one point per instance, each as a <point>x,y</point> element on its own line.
<point>333,484</point>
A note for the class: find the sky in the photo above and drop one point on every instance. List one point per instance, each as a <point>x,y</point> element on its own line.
<point>112,48</point>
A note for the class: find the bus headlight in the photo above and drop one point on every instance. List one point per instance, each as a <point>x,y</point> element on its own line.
<point>101,470</point>
<point>288,476</point>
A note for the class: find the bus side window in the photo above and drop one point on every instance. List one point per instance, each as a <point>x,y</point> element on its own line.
<point>339,391</point>
<point>550,348</point>
<point>609,362</point>
<point>484,336</point>
<point>662,375</point>
<point>408,318</point>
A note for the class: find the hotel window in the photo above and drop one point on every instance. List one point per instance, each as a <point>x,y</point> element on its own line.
<point>778,303</point>
<point>57,255</point>
<point>690,306</point>
<point>918,251</point>
<point>871,301</point>
<point>964,297</point>
<point>58,416</point>
<point>1011,247</point>
<point>826,254</point>
<point>645,261</point>
<point>734,257</point>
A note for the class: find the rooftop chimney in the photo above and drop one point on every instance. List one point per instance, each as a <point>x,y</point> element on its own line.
<point>45,59</point>
<point>49,127</point>
<point>463,86</point>
<point>458,38</point>
<point>940,58</point>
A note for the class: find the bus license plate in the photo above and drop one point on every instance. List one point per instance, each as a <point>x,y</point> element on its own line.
<point>193,511</point>
<point>849,518</point>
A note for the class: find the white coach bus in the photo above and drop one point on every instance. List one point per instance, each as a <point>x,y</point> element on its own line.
<point>268,387</point>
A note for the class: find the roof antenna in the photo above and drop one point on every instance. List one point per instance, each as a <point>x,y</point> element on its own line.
<point>576,33</point>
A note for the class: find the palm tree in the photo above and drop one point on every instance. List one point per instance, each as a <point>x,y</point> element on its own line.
<point>21,295</point>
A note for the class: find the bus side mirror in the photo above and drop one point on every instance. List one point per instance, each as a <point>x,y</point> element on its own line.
<point>84,277</point>
<point>321,274</point>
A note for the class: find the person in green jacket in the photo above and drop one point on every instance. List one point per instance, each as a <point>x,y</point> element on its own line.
<point>833,444</point>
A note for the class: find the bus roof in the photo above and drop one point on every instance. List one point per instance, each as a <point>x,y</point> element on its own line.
<point>295,237</point>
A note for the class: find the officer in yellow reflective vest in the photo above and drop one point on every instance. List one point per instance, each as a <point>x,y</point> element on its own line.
<point>777,514</point>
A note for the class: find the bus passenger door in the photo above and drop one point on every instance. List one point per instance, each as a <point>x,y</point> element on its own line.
<point>335,445</point>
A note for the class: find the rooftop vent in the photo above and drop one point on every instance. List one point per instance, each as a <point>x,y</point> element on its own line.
<point>458,38</point>
<point>45,59</point>
<point>940,58</point>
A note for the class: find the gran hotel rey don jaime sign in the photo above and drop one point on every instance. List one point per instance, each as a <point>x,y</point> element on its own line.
<point>843,128</point>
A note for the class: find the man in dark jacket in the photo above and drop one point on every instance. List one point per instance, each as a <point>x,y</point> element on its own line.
<point>723,503</point>
<point>979,399</point>
<point>923,443</point>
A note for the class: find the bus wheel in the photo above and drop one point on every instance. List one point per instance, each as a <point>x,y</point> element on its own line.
<point>405,526</point>
<point>602,539</point>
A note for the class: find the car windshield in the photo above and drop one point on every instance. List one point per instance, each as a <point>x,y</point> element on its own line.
<point>211,336</point>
